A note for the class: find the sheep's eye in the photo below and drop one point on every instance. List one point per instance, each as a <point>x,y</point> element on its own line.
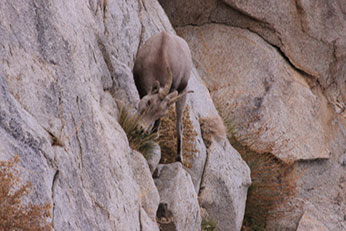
<point>148,103</point>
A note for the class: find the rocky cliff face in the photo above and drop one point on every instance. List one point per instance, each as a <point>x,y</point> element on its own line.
<point>279,68</point>
<point>64,65</point>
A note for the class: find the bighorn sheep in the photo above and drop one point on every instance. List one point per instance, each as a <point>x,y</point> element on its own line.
<point>161,72</point>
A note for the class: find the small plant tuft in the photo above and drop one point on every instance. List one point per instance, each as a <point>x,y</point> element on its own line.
<point>14,215</point>
<point>212,128</point>
<point>208,225</point>
<point>139,139</point>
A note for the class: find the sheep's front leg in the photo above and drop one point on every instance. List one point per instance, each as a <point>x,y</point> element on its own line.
<point>179,108</point>
<point>156,126</point>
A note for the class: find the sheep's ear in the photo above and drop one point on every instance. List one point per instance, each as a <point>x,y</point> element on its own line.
<point>172,97</point>
<point>176,97</point>
<point>156,87</point>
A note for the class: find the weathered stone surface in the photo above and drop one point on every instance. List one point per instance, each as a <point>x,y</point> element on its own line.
<point>224,186</point>
<point>304,28</point>
<point>270,105</point>
<point>63,66</point>
<point>199,97</point>
<point>149,196</point>
<point>342,159</point>
<point>275,109</point>
<point>154,157</point>
<point>308,222</point>
<point>56,115</point>
<point>147,223</point>
<point>311,34</point>
<point>201,106</point>
<point>183,13</point>
<point>20,134</point>
<point>178,199</point>
<point>314,220</point>
<point>322,198</point>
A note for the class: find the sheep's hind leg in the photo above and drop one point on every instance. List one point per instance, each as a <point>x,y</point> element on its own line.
<point>179,108</point>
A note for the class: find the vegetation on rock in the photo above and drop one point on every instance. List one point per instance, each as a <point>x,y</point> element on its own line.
<point>208,225</point>
<point>168,138</point>
<point>212,128</point>
<point>273,181</point>
<point>14,213</point>
<point>139,139</point>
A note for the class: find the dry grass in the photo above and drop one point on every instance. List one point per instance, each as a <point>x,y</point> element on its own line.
<point>273,181</point>
<point>168,138</point>
<point>273,184</point>
<point>138,139</point>
<point>212,128</point>
<point>14,215</point>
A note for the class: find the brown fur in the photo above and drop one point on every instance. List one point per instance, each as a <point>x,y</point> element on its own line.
<point>162,58</point>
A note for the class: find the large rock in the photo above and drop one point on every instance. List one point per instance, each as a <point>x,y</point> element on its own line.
<point>64,66</point>
<point>149,194</point>
<point>147,223</point>
<point>201,105</point>
<point>275,108</point>
<point>59,62</point>
<point>298,28</point>
<point>304,28</point>
<point>224,186</point>
<point>178,199</point>
<point>230,169</point>
<point>270,104</point>
<point>154,157</point>
<point>21,134</point>
<point>310,223</point>
<point>314,220</point>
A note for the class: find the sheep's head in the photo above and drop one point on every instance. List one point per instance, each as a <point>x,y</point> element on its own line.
<point>156,104</point>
